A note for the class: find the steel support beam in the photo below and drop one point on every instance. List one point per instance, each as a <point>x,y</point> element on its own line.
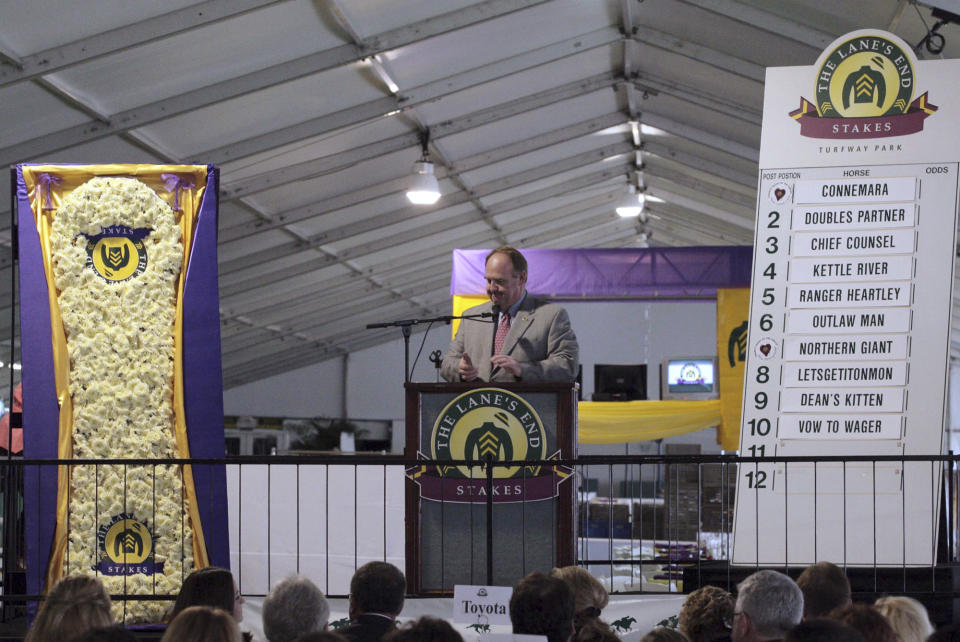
<point>406,214</point>
<point>754,17</point>
<point>262,79</point>
<point>410,98</point>
<point>126,37</point>
<point>348,158</point>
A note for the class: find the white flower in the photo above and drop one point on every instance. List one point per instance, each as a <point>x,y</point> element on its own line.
<point>120,344</point>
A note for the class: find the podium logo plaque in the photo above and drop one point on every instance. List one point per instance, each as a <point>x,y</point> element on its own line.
<point>482,423</point>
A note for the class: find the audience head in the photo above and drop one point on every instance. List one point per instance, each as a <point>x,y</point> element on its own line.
<point>872,626</point>
<point>75,605</point>
<point>293,608</point>
<point>595,630</point>
<point>542,605</point>
<point>768,605</point>
<point>115,633</point>
<point>822,629</point>
<point>210,586</point>
<point>825,587</point>
<point>426,629</point>
<point>322,636</point>
<point>589,596</point>
<point>377,587</point>
<point>907,616</point>
<point>202,624</point>
<point>664,634</point>
<point>707,614</point>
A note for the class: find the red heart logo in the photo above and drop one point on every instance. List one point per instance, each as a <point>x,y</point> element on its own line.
<point>765,349</point>
<point>779,193</point>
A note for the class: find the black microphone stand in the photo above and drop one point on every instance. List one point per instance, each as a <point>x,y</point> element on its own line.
<point>406,324</point>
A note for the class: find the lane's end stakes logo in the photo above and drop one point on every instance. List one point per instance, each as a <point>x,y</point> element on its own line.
<point>126,547</point>
<point>117,253</point>
<point>864,88</point>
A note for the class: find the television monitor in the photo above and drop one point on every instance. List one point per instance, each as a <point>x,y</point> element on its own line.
<point>689,378</point>
<point>618,382</point>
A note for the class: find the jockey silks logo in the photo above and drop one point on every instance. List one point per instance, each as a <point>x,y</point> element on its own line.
<point>864,87</point>
<point>488,425</point>
<point>488,422</point>
<point>117,253</point>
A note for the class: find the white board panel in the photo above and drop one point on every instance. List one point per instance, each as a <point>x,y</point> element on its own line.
<point>848,342</point>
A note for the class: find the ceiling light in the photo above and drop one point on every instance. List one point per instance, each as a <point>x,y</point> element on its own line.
<point>631,204</point>
<point>423,188</point>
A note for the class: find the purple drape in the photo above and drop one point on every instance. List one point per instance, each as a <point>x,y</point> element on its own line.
<point>617,273</point>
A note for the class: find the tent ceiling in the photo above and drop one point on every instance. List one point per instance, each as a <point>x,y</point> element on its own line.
<point>313,110</point>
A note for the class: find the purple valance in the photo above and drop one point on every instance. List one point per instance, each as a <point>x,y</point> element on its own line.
<point>617,273</point>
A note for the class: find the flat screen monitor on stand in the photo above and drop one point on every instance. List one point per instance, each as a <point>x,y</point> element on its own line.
<point>619,382</point>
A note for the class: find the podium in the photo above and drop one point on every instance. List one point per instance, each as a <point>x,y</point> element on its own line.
<point>491,525</point>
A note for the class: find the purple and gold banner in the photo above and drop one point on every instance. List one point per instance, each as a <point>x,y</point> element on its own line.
<point>121,359</point>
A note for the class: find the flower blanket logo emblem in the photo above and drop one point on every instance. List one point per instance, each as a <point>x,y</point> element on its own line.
<point>864,88</point>
<point>117,253</point>
<point>126,547</point>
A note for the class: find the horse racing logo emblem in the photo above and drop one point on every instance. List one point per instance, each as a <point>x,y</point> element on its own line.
<point>488,422</point>
<point>126,547</point>
<point>864,87</point>
<point>117,253</point>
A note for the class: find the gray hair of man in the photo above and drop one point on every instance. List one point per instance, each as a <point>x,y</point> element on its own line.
<point>772,601</point>
<point>293,608</point>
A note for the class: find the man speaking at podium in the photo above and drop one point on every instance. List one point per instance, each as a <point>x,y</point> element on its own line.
<point>529,340</point>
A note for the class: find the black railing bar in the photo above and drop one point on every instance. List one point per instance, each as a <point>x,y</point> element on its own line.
<point>699,518</point>
<point>609,518</point>
<point>903,523</point>
<point>955,593</point>
<point>489,518</point>
<point>356,521</point>
<point>875,573</point>
<point>786,518</point>
<point>298,518</point>
<point>137,597</point>
<point>656,561</point>
<point>391,460</point>
<point>270,528</point>
<point>934,526</point>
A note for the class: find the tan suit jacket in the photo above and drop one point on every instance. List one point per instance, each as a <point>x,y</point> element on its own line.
<point>540,339</point>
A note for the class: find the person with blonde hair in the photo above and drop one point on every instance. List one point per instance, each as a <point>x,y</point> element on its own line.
<point>202,624</point>
<point>907,616</point>
<point>76,604</point>
<point>589,599</point>
<point>589,596</point>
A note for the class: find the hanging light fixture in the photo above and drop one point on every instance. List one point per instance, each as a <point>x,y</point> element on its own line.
<point>423,188</point>
<point>631,203</point>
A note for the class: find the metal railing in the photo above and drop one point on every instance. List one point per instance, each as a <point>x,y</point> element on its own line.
<point>644,524</point>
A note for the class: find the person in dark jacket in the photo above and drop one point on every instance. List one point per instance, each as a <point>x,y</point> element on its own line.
<point>377,591</point>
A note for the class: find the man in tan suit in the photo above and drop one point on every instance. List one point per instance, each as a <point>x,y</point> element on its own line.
<point>530,339</point>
